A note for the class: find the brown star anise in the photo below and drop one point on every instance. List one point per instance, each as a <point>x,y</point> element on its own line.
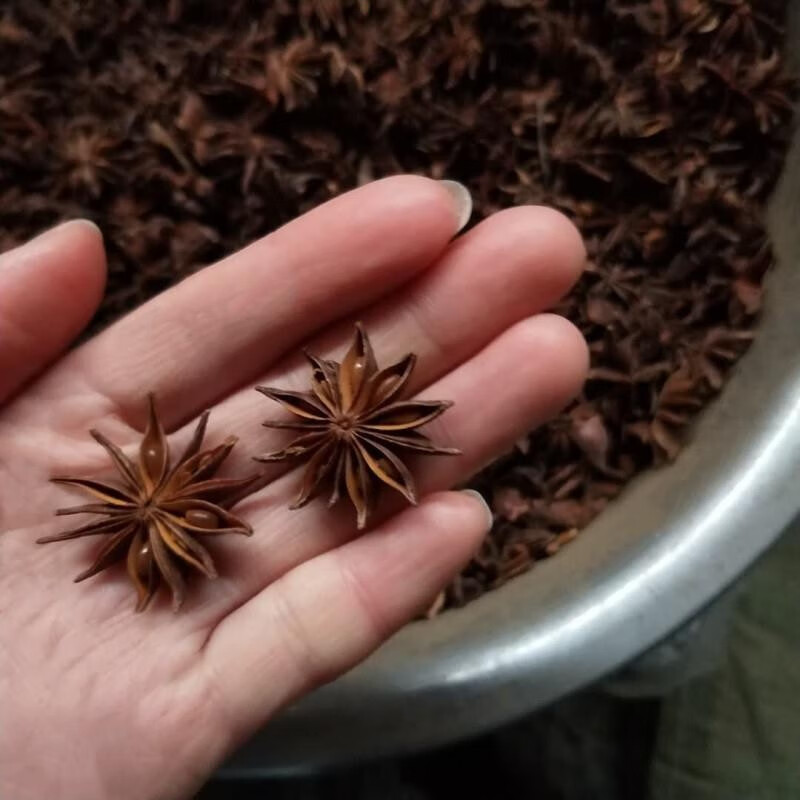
<point>351,422</point>
<point>156,516</point>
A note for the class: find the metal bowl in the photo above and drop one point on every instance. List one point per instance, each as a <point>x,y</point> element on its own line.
<point>674,540</point>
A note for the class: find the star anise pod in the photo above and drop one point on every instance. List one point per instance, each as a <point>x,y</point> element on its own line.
<point>156,517</point>
<point>351,422</point>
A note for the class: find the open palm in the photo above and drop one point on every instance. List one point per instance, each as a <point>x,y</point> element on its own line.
<point>100,702</point>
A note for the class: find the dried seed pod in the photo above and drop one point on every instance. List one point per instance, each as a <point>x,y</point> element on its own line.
<point>156,517</point>
<point>351,423</point>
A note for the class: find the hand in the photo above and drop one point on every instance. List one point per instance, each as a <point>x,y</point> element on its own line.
<point>100,702</point>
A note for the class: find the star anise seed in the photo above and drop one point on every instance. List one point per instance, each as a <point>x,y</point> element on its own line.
<point>350,424</point>
<point>156,517</point>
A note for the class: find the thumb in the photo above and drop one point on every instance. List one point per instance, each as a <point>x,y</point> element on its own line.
<point>49,289</point>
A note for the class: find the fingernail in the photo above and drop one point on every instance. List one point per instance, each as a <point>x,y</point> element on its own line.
<point>74,224</point>
<point>462,201</point>
<point>482,500</point>
<point>88,224</point>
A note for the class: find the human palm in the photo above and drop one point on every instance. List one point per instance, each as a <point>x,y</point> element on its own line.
<point>100,702</point>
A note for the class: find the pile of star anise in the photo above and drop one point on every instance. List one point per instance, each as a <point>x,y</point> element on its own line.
<point>188,128</point>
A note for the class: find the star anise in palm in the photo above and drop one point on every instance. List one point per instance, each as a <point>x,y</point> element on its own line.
<point>156,517</point>
<point>351,424</point>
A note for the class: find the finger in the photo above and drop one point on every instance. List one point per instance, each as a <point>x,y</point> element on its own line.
<point>331,612</point>
<point>49,289</point>
<point>515,384</point>
<point>222,326</point>
<point>513,265</point>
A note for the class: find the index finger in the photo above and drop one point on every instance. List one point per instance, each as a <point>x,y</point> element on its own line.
<point>219,328</point>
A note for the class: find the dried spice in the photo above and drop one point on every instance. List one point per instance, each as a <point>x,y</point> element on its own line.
<point>156,518</point>
<point>186,129</point>
<point>351,423</point>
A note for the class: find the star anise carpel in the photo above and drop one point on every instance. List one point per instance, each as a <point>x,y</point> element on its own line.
<point>351,423</point>
<point>157,515</point>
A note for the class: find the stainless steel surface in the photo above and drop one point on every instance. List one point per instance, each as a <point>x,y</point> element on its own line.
<point>674,540</point>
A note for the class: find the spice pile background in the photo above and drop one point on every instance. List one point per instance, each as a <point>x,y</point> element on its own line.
<point>659,127</point>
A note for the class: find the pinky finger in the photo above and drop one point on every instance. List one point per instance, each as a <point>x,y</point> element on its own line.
<point>330,613</point>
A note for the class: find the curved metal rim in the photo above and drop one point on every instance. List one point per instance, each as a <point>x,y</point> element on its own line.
<point>597,624</point>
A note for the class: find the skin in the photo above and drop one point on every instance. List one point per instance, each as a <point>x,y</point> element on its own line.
<point>99,702</point>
